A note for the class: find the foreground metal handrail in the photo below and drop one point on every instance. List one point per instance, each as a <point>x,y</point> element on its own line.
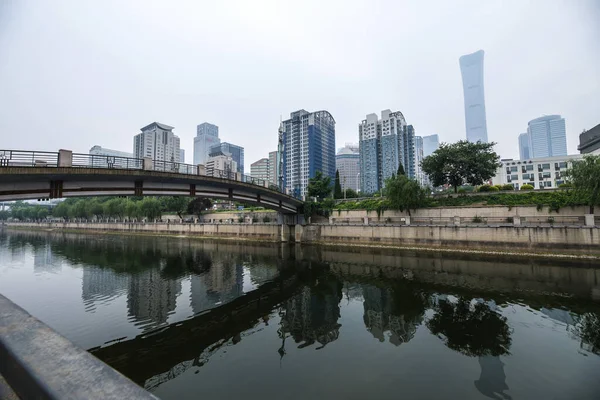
<point>23,158</point>
<point>38,363</point>
<point>103,161</point>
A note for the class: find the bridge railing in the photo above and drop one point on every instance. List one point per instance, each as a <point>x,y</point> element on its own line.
<point>103,161</point>
<point>21,158</point>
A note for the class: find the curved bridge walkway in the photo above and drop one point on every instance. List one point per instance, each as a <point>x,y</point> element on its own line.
<point>48,175</point>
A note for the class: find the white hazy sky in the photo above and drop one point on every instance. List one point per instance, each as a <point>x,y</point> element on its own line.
<point>78,73</point>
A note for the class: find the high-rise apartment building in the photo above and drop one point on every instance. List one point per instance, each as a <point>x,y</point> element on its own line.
<point>207,136</point>
<point>547,137</point>
<point>347,161</point>
<point>273,163</point>
<point>221,165</point>
<point>384,144</point>
<point>236,152</point>
<point>524,150</point>
<point>260,169</point>
<point>419,174</point>
<point>158,142</point>
<point>430,144</point>
<point>471,68</point>
<point>306,145</point>
<point>108,158</point>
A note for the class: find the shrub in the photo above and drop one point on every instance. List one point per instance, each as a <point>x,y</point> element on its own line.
<point>550,220</point>
<point>241,220</point>
<point>461,191</point>
<point>388,220</point>
<point>527,187</point>
<point>508,186</point>
<point>488,188</point>
<point>477,219</point>
<point>510,220</point>
<point>565,186</point>
<point>266,219</point>
<point>498,186</point>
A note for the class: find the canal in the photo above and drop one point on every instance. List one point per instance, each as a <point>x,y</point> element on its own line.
<point>189,319</point>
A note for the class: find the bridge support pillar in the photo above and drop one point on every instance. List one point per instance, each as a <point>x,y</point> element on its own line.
<point>65,158</point>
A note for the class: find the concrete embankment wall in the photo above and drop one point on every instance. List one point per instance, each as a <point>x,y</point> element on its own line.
<point>580,240</point>
<point>584,240</point>
<point>268,232</point>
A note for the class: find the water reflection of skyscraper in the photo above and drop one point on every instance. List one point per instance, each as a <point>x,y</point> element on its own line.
<point>312,315</point>
<point>381,315</point>
<point>43,260</point>
<point>101,284</point>
<point>152,297</point>
<point>222,283</point>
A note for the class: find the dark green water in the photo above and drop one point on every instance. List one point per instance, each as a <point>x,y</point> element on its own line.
<point>194,319</point>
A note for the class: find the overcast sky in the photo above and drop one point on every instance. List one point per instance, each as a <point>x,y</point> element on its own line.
<point>74,74</point>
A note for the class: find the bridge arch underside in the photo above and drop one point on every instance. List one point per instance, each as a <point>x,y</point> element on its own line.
<point>26,186</point>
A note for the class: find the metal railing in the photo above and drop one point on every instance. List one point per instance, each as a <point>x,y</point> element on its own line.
<point>20,158</point>
<point>102,161</point>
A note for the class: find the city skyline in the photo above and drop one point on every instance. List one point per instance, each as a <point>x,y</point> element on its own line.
<point>529,70</point>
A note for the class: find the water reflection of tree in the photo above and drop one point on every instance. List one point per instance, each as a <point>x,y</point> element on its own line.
<point>473,330</point>
<point>588,329</point>
<point>478,331</point>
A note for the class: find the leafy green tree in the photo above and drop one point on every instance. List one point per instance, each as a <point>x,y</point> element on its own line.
<point>404,194</point>
<point>337,187</point>
<point>319,186</point>
<point>400,170</point>
<point>151,208</point>
<point>132,209</point>
<point>4,215</point>
<point>351,194</point>
<point>61,210</point>
<point>461,162</point>
<point>42,212</point>
<point>115,208</point>
<point>77,210</point>
<point>93,207</point>
<point>197,205</point>
<point>178,204</point>
<point>584,175</point>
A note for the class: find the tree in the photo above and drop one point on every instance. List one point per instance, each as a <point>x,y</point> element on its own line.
<point>197,205</point>
<point>4,214</point>
<point>584,175</point>
<point>150,208</point>
<point>132,209</point>
<point>61,210</point>
<point>93,207</point>
<point>404,194</point>
<point>337,188</point>
<point>178,204</point>
<point>42,212</point>
<point>351,194</point>
<point>115,208</point>
<point>319,186</point>
<point>400,170</point>
<point>461,162</point>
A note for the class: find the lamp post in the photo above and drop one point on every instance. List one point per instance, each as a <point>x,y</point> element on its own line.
<point>358,183</point>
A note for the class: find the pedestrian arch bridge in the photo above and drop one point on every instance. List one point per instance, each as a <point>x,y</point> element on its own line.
<point>48,175</point>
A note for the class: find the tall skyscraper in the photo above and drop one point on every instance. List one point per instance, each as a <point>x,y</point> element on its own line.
<point>471,68</point>
<point>236,152</point>
<point>547,137</point>
<point>158,142</point>
<point>524,147</point>
<point>182,156</point>
<point>419,175</point>
<point>306,145</point>
<point>260,169</point>
<point>347,161</point>
<point>273,162</point>
<point>430,144</point>
<point>385,144</point>
<point>207,136</point>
